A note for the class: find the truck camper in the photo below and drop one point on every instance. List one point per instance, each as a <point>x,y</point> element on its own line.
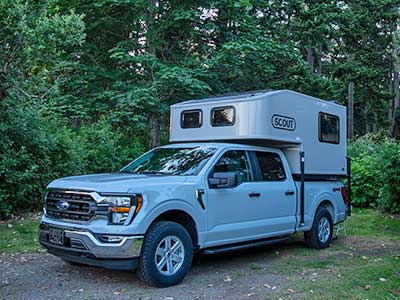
<point>241,171</point>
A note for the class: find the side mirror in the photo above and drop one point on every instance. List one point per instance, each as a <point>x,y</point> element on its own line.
<point>223,180</point>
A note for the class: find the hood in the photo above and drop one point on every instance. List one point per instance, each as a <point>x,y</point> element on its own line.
<point>114,182</point>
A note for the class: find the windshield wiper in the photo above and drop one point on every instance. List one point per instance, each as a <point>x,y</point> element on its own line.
<point>154,173</point>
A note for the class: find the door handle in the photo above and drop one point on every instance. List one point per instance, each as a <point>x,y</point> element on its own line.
<point>289,193</point>
<point>254,194</point>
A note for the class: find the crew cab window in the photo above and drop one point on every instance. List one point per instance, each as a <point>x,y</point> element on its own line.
<point>271,166</point>
<point>328,128</point>
<point>223,116</point>
<point>234,161</point>
<point>191,118</point>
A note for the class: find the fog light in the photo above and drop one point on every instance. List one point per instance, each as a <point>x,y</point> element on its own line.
<point>111,238</point>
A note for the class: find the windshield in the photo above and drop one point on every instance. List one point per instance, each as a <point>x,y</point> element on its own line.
<point>171,161</point>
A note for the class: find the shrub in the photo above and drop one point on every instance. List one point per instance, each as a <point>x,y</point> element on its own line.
<point>101,148</point>
<point>365,174</point>
<point>389,198</point>
<point>35,150</point>
<point>29,152</point>
<point>375,172</point>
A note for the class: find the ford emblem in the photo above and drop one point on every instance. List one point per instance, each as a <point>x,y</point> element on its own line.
<point>62,205</point>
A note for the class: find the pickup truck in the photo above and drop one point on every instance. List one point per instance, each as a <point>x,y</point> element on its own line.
<point>183,199</point>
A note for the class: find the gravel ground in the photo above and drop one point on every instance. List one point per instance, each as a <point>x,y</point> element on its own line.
<point>239,275</point>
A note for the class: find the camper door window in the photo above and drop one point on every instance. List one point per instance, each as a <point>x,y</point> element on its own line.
<point>191,118</point>
<point>223,116</point>
<point>328,128</point>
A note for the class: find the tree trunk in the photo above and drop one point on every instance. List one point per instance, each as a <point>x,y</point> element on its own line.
<point>154,131</point>
<point>350,111</point>
<point>2,93</point>
<point>395,122</point>
<point>310,58</point>
<point>366,109</point>
<point>319,58</point>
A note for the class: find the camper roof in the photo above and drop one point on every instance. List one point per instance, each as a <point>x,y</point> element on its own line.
<point>249,96</point>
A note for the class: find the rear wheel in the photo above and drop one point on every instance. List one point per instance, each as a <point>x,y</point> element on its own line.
<point>320,235</point>
<point>166,254</point>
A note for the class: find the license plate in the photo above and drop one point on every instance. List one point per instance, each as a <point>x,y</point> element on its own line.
<point>56,236</point>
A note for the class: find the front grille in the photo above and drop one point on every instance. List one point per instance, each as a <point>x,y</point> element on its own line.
<point>80,206</point>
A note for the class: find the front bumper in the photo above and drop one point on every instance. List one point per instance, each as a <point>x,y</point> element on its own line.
<point>86,246</point>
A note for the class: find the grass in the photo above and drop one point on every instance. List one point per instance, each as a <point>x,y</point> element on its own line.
<point>19,236</point>
<point>373,223</point>
<point>365,265</point>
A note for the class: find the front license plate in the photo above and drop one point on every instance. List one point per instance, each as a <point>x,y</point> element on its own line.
<point>56,236</point>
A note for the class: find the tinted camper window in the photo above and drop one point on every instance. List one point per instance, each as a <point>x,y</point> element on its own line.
<point>271,166</point>
<point>191,118</point>
<point>328,128</point>
<point>223,116</point>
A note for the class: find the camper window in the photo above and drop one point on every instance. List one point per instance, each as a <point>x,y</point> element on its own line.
<point>223,116</point>
<point>271,166</point>
<point>328,128</point>
<point>191,118</point>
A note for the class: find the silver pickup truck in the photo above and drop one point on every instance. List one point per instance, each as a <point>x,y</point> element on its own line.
<point>182,199</point>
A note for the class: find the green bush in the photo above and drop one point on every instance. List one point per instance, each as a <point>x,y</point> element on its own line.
<point>389,162</point>
<point>375,172</point>
<point>35,150</point>
<point>102,150</point>
<point>365,174</point>
<point>29,152</point>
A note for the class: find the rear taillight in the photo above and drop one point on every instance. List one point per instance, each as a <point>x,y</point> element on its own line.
<point>345,197</point>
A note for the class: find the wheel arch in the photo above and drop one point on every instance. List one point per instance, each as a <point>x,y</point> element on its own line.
<point>325,201</point>
<point>179,211</point>
<point>183,218</point>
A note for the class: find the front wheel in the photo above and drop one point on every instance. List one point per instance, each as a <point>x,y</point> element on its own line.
<point>320,235</point>
<point>166,254</point>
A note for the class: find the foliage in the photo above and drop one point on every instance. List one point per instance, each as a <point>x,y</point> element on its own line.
<point>390,169</point>
<point>32,154</point>
<point>76,72</point>
<point>375,172</point>
<point>36,150</point>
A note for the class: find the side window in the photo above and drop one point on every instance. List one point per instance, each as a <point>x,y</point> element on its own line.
<point>191,118</point>
<point>223,116</point>
<point>271,166</point>
<point>234,161</point>
<point>328,128</point>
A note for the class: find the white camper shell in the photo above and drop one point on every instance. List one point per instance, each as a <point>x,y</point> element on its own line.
<point>292,121</point>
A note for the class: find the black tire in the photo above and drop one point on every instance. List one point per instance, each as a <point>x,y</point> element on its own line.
<point>311,237</point>
<point>148,271</point>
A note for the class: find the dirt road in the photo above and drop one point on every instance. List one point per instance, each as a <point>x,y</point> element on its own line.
<point>264,273</point>
<point>231,276</point>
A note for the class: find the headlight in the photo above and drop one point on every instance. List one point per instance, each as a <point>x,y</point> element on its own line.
<point>121,207</point>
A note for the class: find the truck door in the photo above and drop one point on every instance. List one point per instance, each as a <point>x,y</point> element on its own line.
<point>278,198</point>
<point>233,213</point>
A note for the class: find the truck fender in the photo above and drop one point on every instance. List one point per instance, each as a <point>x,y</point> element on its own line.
<point>173,204</point>
<point>325,197</point>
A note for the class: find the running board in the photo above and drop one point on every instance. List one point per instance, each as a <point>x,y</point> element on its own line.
<point>245,245</point>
